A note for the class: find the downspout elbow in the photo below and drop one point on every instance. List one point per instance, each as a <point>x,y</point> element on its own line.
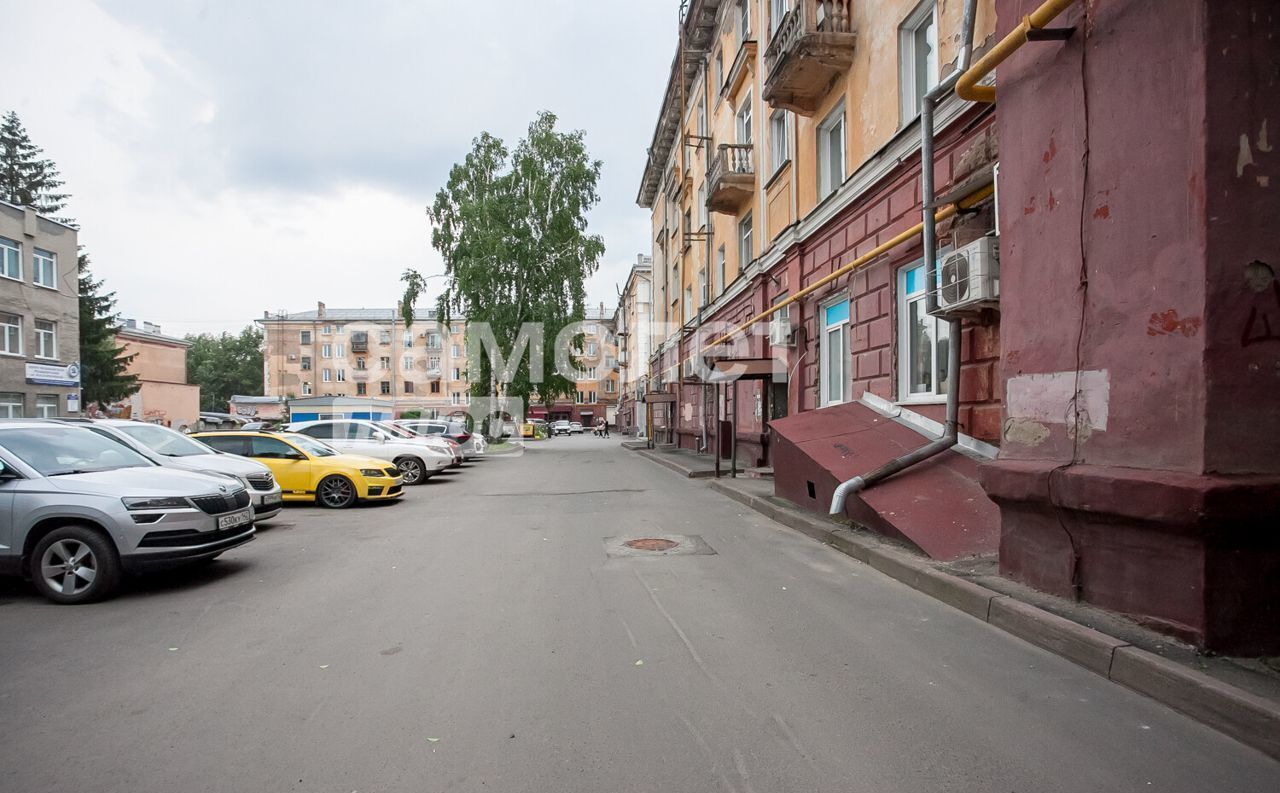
<point>843,491</point>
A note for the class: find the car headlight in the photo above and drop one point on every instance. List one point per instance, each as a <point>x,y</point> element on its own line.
<point>374,472</point>
<point>146,502</point>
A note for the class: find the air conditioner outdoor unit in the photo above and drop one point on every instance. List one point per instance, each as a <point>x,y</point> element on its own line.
<point>293,357</point>
<point>969,277</point>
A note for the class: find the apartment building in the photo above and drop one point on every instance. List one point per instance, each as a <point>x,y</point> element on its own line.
<point>1105,298</point>
<point>39,315</point>
<point>633,333</point>
<point>787,145</point>
<point>597,384</point>
<point>367,352</point>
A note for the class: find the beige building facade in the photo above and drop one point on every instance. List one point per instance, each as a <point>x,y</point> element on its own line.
<point>633,333</point>
<point>39,316</point>
<point>367,353</point>
<point>164,396</point>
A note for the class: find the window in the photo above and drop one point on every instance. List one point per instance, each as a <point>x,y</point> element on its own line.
<point>326,330</point>
<point>46,406</point>
<point>339,329</point>
<point>326,350</point>
<point>384,387</point>
<point>719,71</point>
<point>609,386</point>
<point>688,229</point>
<point>435,386</point>
<point>742,121</point>
<point>688,304</point>
<point>342,375</point>
<point>231,444</point>
<point>408,386</point>
<point>306,363</point>
<point>582,397</point>
<point>10,259</point>
<point>592,348</point>
<point>306,389</point>
<point>917,58</point>
<point>779,142</point>
<point>924,341</point>
<point>777,10</point>
<point>702,205</point>
<point>360,363</point>
<point>340,350</point>
<point>406,363</point>
<point>721,272</point>
<point>408,338</point>
<point>702,118</point>
<point>304,337</point>
<point>326,375</point>
<point>433,363</point>
<point>384,362</point>
<point>457,373</point>
<point>831,152</point>
<point>360,389</point>
<point>746,248</point>
<point>702,288</point>
<point>384,337</point>
<point>433,341</point>
<point>44,267</point>
<point>456,327</point>
<point>456,398</point>
<point>10,406</point>
<point>589,373</point>
<point>834,361</point>
<point>46,339</point>
<point>10,334</point>
<point>743,18</point>
<point>455,351</point>
<point>271,449</point>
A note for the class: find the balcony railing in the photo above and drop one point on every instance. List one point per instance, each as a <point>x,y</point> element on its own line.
<point>732,177</point>
<point>812,46</point>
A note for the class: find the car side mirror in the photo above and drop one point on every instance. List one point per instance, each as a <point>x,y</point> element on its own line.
<point>379,436</point>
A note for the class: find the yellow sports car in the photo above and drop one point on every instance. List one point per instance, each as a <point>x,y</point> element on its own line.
<point>307,469</point>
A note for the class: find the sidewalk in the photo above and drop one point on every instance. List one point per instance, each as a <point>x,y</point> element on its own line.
<point>1239,697</point>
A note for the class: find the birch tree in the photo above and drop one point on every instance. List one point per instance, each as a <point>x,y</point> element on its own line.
<point>511,226</point>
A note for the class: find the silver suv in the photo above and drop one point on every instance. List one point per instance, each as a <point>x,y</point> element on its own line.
<point>78,510</point>
<point>172,449</point>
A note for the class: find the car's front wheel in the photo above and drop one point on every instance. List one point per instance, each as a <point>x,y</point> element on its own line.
<point>411,470</point>
<point>336,492</point>
<point>75,564</point>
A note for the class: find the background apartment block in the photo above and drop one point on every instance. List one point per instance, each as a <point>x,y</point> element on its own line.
<point>596,394</point>
<point>39,315</point>
<point>367,352</point>
<point>632,331</point>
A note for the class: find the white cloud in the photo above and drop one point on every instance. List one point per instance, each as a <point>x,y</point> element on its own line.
<point>233,157</point>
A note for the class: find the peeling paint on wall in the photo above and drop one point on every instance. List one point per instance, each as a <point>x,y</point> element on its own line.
<point>1048,398</point>
<point>1025,432</point>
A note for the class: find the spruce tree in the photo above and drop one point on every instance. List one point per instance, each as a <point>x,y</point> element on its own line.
<point>26,177</point>
<point>103,365</point>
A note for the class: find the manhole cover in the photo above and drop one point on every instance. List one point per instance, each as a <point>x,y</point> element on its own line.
<point>657,545</point>
<point>651,544</point>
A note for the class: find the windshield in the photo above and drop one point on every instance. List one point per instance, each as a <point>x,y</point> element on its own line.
<point>311,445</point>
<point>55,451</point>
<point>163,440</point>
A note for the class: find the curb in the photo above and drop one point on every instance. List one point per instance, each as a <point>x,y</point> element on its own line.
<point>664,460</point>
<point>1250,719</point>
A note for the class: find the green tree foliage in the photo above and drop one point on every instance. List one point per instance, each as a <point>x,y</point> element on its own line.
<point>104,376</point>
<point>26,177</point>
<point>224,365</point>
<point>511,227</point>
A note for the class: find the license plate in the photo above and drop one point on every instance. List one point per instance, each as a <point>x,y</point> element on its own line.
<point>235,519</point>
<point>274,498</point>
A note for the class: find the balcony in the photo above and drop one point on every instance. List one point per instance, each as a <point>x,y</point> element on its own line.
<point>812,46</point>
<point>732,178</point>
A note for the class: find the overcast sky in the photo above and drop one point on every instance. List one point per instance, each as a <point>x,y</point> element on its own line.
<point>227,157</point>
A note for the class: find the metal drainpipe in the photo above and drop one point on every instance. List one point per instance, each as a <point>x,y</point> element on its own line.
<point>951,428</point>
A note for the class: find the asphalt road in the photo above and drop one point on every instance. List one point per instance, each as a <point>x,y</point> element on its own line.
<point>477,637</point>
